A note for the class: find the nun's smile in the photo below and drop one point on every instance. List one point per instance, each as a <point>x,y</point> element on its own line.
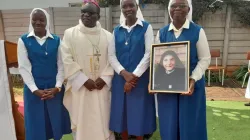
<point>129,13</point>
<point>39,21</point>
<point>179,9</point>
<point>129,8</point>
<point>169,62</point>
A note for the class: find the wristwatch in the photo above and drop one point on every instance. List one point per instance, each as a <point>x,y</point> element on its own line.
<point>59,89</point>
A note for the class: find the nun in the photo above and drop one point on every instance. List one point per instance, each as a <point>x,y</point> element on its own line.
<point>40,65</point>
<point>132,107</point>
<point>182,116</point>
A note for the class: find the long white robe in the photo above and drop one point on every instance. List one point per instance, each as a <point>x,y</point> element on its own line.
<point>247,95</point>
<point>7,126</point>
<point>89,110</point>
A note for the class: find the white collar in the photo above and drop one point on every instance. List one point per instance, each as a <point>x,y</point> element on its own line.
<point>170,71</point>
<point>95,30</point>
<point>138,22</point>
<point>48,34</point>
<point>185,25</point>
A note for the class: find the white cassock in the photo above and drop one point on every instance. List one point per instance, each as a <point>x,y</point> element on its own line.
<point>247,95</point>
<point>7,126</point>
<point>85,56</point>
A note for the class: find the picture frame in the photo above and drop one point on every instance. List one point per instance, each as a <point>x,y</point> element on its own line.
<point>169,67</point>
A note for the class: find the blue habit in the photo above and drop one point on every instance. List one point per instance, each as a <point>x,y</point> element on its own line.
<point>183,117</point>
<point>134,111</point>
<point>44,119</point>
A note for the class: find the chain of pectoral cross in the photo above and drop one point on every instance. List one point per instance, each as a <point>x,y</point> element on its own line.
<point>96,53</point>
<point>95,47</point>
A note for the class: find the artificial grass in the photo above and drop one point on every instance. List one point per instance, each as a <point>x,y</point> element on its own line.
<point>226,120</point>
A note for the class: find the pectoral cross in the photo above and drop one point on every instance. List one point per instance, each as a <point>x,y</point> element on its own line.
<point>97,65</point>
<point>97,54</point>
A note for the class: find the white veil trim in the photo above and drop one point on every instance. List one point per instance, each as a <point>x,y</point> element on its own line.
<point>47,17</point>
<point>189,16</point>
<point>138,15</point>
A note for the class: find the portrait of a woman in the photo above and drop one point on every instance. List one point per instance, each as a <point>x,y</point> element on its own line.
<point>170,73</point>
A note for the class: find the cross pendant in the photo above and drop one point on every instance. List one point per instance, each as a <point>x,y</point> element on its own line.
<point>97,54</point>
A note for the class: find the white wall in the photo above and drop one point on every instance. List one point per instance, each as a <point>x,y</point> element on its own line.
<point>27,4</point>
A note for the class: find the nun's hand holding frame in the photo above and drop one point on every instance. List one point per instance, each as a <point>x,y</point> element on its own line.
<point>169,67</point>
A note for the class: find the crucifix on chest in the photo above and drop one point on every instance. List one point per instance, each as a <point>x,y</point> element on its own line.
<point>97,54</point>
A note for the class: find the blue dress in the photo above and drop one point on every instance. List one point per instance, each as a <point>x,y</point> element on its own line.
<point>135,111</point>
<point>44,119</point>
<point>183,117</point>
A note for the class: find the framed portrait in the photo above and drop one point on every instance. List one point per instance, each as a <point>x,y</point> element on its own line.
<point>169,67</point>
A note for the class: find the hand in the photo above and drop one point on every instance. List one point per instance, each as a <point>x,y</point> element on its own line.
<point>128,76</point>
<point>39,93</point>
<point>47,96</point>
<point>128,87</point>
<point>52,90</point>
<point>50,93</point>
<point>134,81</point>
<point>100,83</point>
<point>191,87</point>
<point>90,85</point>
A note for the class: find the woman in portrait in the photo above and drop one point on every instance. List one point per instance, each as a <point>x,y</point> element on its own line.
<point>170,73</point>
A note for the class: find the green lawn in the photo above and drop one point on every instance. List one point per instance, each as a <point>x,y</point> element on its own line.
<point>226,120</point>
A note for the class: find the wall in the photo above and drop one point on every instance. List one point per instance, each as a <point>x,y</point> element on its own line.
<point>16,22</point>
<point>222,28</point>
<point>68,17</point>
<point>155,14</point>
<point>214,26</point>
<point>225,32</point>
<point>239,43</point>
<point>28,4</point>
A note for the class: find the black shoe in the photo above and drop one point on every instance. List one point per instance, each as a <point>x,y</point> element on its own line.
<point>247,104</point>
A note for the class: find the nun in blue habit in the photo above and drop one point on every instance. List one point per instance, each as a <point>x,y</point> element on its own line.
<point>132,107</point>
<point>183,116</point>
<point>41,67</point>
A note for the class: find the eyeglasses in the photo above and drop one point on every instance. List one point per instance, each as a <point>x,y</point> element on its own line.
<point>174,6</point>
<point>88,12</point>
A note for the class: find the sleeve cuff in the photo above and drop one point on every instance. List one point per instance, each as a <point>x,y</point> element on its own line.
<point>77,81</point>
<point>119,69</point>
<point>32,88</point>
<point>137,72</point>
<point>196,78</point>
<point>59,84</point>
<point>107,80</point>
